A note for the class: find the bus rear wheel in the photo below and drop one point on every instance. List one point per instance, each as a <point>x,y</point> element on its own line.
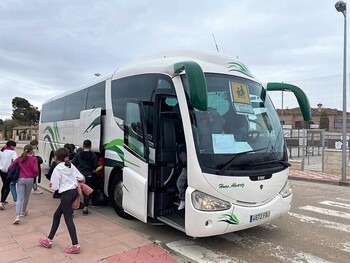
<point>116,197</point>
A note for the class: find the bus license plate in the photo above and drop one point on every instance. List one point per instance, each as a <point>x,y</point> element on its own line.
<point>259,216</point>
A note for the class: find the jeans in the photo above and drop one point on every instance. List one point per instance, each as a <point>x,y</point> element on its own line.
<point>24,187</point>
<point>181,183</point>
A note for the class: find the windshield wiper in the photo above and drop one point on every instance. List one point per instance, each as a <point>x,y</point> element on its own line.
<point>229,163</point>
<point>284,163</point>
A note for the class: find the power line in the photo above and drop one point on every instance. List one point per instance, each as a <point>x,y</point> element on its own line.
<point>22,82</point>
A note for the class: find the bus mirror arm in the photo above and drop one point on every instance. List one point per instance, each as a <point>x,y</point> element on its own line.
<point>303,101</point>
<point>196,83</point>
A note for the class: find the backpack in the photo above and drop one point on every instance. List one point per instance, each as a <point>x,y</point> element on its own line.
<point>13,173</point>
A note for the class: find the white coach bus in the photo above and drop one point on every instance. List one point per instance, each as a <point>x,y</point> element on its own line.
<point>206,103</point>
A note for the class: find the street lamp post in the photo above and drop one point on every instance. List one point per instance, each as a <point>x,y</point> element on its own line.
<point>341,7</point>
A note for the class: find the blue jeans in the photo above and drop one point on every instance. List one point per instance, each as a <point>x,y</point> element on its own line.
<point>24,188</point>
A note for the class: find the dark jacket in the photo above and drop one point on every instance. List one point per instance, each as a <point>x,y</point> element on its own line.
<point>86,162</point>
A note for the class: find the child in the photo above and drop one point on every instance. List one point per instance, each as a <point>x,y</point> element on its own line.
<point>86,162</point>
<point>182,180</point>
<point>37,191</point>
<point>28,170</point>
<point>7,155</point>
<point>64,179</point>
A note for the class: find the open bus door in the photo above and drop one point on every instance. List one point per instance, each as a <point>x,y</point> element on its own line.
<point>136,156</point>
<point>90,125</point>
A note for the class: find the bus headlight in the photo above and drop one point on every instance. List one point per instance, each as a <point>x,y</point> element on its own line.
<point>204,202</point>
<point>287,189</point>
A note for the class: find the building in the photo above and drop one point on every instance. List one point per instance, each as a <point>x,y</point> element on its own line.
<point>25,133</point>
<point>294,119</point>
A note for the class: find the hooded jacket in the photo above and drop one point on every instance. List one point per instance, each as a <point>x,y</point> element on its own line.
<point>64,178</point>
<point>86,162</point>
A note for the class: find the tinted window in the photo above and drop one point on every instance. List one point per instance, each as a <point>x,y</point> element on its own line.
<point>53,111</point>
<point>75,104</point>
<point>141,87</point>
<point>96,96</point>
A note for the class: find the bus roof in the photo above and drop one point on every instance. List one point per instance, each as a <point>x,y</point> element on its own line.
<point>163,62</point>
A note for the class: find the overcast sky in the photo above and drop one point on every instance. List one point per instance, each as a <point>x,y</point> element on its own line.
<point>48,47</point>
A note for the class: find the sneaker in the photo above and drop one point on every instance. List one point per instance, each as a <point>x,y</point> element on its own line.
<point>182,205</point>
<point>37,192</point>
<point>85,212</point>
<point>23,214</point>
<point>45,242</point>
<point>72,250</point>
<point>17,220</point>
<point>2,206</point>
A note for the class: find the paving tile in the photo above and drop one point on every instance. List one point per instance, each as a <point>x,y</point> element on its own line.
<point>13,255</point>
<point>132,239</point>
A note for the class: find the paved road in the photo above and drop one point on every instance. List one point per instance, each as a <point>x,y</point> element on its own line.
<point>316,230</point>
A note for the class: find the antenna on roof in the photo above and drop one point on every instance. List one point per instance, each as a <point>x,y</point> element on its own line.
<point>216,45</point>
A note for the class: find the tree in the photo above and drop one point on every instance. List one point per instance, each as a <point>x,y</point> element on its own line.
<point>23,112</point>
<point>324,121</point>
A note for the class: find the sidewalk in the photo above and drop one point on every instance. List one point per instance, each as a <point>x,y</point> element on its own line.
<point>318,177</point>
<point>100,239</point>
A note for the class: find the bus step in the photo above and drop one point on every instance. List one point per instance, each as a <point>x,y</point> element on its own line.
<point>171,222</point>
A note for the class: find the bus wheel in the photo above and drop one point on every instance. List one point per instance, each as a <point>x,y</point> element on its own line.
<point>116,197</point>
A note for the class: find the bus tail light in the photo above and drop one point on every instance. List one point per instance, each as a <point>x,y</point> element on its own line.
<point>287,189</point>
<point>204,202</point>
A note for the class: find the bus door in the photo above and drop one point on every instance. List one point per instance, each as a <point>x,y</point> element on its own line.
<point>136,158</point>
<point>90,128</point>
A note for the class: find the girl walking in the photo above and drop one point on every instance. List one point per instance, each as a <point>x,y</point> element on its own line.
<point>28,170</point>
<point>64,178</point>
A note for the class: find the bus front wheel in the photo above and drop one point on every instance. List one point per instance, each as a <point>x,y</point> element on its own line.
<point>116,197</point>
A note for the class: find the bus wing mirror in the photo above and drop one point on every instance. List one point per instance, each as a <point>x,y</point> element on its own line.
<point>196,83</point>
<point>303,101</point>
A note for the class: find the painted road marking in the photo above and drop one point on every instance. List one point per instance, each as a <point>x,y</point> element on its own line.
<point>342,199</point>
<point>325,211</point>
<point>275,250</point>
<point>325,223</point>
<point>336,204</point>
<point>199,254</point>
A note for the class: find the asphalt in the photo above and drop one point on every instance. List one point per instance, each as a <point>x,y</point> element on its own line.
<point>100,239</point>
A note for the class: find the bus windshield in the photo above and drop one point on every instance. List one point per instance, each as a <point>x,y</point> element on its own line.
<point>240,130</point>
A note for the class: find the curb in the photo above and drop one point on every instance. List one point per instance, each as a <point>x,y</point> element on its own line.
<point>313,180</point>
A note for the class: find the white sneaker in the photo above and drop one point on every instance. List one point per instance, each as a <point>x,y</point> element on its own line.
<point>182,205</point>
<point>2,206</point>
<point>23,214</point>
<point>37,192</point>
<point>17,220</point>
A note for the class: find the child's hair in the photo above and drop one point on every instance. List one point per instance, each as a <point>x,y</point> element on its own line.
<point>68,146</point>
<point>8,145</point>
<point>62,156</point>
<point>72,146</point>
<point>27,149</point>
<point>87,144</point>
<point>34,142</point>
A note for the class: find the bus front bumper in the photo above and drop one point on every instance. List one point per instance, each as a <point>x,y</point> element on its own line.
<point>210,223</point>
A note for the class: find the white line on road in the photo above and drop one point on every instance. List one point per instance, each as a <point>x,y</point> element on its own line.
<point>284,254</point>
<point>342,199</point>
<point>199,254</point>
<point>325,223</point>
<point>336,204</point>
<point>325,211</point>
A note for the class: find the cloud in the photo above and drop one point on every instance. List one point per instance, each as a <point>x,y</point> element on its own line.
<point>48,47</point>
